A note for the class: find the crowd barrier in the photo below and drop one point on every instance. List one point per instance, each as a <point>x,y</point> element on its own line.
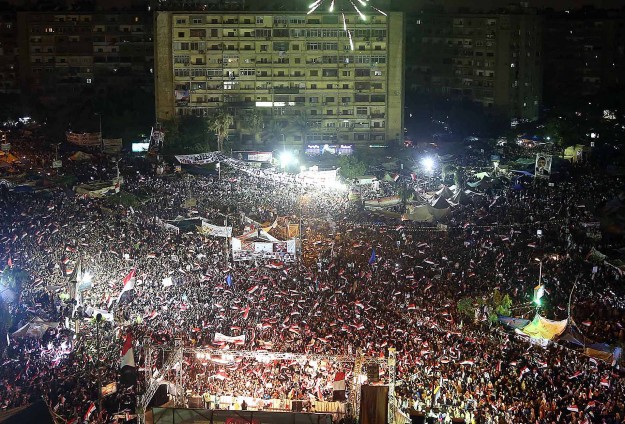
<point>256,404</point>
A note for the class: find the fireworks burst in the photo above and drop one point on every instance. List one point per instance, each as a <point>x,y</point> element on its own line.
<point>345,6</point>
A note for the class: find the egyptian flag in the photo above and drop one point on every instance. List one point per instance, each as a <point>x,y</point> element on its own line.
<point>90,411</point>
<point>338,395</point>
<point>129,283</point>
<point>128,374</point>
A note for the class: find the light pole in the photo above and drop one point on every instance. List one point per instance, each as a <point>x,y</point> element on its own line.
<point>283,142</point>
<point>98,320</point>
<point>101,139</point>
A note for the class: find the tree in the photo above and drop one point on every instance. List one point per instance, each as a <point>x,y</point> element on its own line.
<point>219,124</point>
<point>300,126</point>
<point>254,122</point>
<point>187,134</point>
<point>351,168</point>
<point>274,131</point>
<point>466,307</point>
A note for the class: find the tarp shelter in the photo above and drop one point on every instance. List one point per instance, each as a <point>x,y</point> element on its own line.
<point>461,198</point>
<point>37,412</point>
<point>35,328</point>
<point>444,192</point>
<point>575,153</point>
<point>7,157</point>
<point>99,189</point>
<point>419,213</point>
<point>80,156</point>
<point>440,203</point>
<point>573,335</point>
<point>543,328</point>
<point>512,322</point>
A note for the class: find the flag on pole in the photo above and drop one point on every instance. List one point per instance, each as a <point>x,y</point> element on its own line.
<point>129,282</point>
<point>523,372</point>
<point>373,257</point>
<point>338,394</point>
<point>128,375</point>
<point>89,411</point>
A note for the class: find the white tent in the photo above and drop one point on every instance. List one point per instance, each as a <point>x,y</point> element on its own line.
<point>35,328</point>
<point>444,192</point>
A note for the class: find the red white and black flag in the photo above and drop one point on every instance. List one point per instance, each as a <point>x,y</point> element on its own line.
<point>128,374</point>
<point>338,395</point>
<point>129,283</point>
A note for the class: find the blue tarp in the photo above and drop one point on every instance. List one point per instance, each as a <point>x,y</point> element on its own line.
<point>517,323</point>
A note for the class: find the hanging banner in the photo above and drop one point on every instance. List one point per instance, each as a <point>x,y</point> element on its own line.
<point>199,159</point>
<point>229,339</point>
<point>215,230</point>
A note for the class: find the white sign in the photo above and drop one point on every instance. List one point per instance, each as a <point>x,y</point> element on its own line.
<point>229,339</point>
<point>199,159</point>
<point>57,164</point>
<point>215,230</point>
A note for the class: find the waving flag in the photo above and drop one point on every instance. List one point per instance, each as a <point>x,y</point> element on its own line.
<point>128,376</point>
<point>373,257</point>
<point>90,411</point>
<point>338,394</point>
<point>129,282</point>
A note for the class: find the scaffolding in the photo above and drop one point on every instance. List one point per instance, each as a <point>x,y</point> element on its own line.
<point>173,360</point>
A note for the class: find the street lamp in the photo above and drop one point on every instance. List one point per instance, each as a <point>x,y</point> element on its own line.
<point>101,139</point>
<point>539,290</point>
<point>98,321</point>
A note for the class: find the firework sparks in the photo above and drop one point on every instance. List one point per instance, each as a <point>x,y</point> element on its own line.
<point>343,7</point>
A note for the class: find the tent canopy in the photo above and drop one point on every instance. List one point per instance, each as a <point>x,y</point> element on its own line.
<point>35,328</point>
<point>543,328</point>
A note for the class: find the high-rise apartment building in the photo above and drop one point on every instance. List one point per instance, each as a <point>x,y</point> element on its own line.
<point>584,55</point>
<point>66,53</point>
<point>288,68</point>
<point>492,59</point>
<point>8,54</point>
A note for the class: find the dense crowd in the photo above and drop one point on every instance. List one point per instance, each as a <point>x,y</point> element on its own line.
<point>341,298</point>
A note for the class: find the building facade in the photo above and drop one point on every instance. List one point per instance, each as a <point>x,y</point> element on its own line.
<point>491,59</point>
<point>8,54</point>
<point>297,71</point>
<point>584,54</point>
<point>67,53</point>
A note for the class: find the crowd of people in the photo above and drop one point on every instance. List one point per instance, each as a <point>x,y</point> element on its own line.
<point>362,284</point>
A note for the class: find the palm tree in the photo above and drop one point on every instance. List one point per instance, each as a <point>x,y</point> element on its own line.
<point>274,131</point>
<point>301,126</point>
<point>219,125</point>
<point>254,122</point>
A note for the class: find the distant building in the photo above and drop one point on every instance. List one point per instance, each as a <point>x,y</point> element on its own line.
<point>584,54</point>
<point>290,68</point>
<point>493,59</point>
<point>65,53</point>
<point>8,54</point>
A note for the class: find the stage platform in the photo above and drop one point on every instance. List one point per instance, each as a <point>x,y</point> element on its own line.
<point>220,416</point>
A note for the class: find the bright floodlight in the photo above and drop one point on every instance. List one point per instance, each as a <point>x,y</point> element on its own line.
<point>287,159</point>
<point>428,163</point>
<point>86,278</point>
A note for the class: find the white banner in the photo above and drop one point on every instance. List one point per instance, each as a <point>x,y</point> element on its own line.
<point>199,159</point>
<point>215,230</point>
<point>167,226</point>
<point>229,339</point>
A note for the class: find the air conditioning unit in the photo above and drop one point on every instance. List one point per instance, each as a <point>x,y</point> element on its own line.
<point>247,61</point>
<point>201,51</point>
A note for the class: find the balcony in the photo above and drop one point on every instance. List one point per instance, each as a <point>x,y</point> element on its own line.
<point>286,90</point>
